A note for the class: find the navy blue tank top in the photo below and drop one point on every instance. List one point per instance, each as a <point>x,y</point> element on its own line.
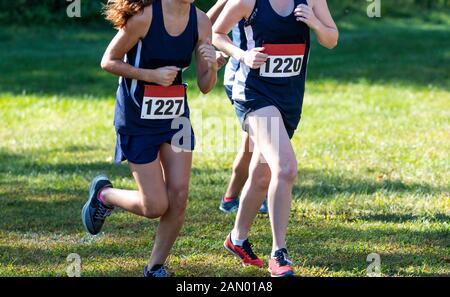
<point>283,82</point>
<point>157,49</point>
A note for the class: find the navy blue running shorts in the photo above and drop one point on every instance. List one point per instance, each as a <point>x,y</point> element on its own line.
<point>242,113</point>
<point>144,149</point>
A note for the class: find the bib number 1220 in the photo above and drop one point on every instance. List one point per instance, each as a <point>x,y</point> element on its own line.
<point>285,60</point>
<point>163,102</point>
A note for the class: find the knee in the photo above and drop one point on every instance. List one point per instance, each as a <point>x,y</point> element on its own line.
<point>178,196</point>
<point>154,210</point>
<point>287,172</point>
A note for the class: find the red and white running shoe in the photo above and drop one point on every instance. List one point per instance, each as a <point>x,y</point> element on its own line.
<point>280,264</point>
<point>244,252</point>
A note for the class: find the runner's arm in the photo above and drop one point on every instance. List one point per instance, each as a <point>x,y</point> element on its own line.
<point>213,14</point>
<point>233,12</point>
<point>215,11</point>
<point>205,55</point>
<point>127,37</point>
<point>318,17</point>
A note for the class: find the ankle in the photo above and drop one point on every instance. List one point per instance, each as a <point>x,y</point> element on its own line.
<point>276,249</point>
<point>227,198</point>
<point>102,197</point>
<point>236,239</point>
<point>155,267</point>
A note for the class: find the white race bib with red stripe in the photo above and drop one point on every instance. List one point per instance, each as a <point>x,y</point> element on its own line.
<point>161,103</point>
<point>285,60</point>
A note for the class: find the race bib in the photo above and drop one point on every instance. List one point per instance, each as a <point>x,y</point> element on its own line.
<point>285,60</point>
<point>161,103</point>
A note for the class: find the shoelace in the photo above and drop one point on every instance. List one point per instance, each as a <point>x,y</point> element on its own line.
<point>247,247</point>
<point>281,258</point>
<point>102,212</point>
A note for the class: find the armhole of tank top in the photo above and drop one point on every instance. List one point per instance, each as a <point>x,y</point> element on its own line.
<point>151,22</point>
<point>137,59</point>
<point>248,22</point>
<point>195,21</point>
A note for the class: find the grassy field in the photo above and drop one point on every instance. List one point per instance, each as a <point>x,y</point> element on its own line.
<point>373,150</point>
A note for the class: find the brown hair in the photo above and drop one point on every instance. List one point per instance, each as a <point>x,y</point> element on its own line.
<point>118,12</point>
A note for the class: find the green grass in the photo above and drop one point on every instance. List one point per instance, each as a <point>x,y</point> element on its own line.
<point>373,151</point>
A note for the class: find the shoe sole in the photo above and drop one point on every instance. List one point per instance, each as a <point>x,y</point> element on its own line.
<point>287,274</point>
<point>84,216</point>
<point>233,210</point>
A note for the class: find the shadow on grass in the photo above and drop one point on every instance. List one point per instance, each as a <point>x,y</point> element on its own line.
<point>66,62</point>
<point>27,206</point>
<point>318,184</point>
<point>28,201</point>
<point>339,251</point>
<point>399,218</point>
<point>25,164</point>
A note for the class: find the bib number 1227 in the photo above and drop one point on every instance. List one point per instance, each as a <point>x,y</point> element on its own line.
<point>163,102</point>
<point>285,60</point>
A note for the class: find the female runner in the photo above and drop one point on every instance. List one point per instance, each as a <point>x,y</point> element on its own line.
<point>154,44</point>
<point>268,94</point>
<point>230,201</point>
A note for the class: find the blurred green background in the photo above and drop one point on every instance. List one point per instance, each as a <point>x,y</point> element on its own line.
<point>38,12</point>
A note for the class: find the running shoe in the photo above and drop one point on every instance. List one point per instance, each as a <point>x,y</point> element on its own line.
<point>94,212</point>
<point>229,206</point>
<point>158,272</point>
<point>233,206</point>
<point>263,209</point>
<point>244,252</point>
<point>280,265</point>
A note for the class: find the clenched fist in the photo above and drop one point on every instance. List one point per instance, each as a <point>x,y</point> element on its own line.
<point>305,14</point>
<point>164,76</point>
<point>208,52</point>
<point>255,58</point>
<point>221,59</point>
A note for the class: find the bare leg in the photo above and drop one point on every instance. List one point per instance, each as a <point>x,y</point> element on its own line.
<point>150,200</point>
<point>240,169</point>
<point>273,143</point>
<point>177,171</point>
<point>253,195</point>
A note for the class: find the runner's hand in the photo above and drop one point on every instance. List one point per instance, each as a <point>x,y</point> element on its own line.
<point>208,52</point>
<point>255,58</point>
<point>305,14</point>
<point>165,76</point>
<point>221,58</point>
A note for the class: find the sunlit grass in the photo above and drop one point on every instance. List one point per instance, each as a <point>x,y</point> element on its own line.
<point>372,149</point>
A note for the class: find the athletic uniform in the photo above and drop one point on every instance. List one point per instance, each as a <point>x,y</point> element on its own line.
<point>145,112</point>
<point>238,36</point>
<point>281,81</point>
<point>239,39</point>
